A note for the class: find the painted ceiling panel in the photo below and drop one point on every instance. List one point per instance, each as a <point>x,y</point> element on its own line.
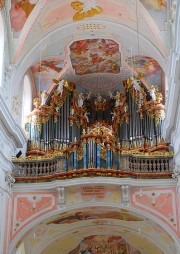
<point>46,70</point>
<point>95,56</point>
<point>148,68</point>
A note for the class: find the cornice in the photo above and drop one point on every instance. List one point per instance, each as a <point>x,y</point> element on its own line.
<point>14,131</point>
<point>94,181</point>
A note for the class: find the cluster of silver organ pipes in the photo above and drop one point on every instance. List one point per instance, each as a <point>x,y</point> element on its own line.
<point>91,130</point>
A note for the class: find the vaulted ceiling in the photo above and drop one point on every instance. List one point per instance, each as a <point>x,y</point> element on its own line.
<point>97,44</point>
<point>101,230</point>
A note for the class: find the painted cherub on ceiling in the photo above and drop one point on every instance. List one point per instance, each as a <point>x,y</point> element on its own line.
<point>19,12</point>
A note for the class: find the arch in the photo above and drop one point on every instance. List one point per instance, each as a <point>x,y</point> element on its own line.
<point>37,16</point>
<point>93,206</point>
<point>33,55</point>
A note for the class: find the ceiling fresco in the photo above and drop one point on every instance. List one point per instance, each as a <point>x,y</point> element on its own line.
<point>104,244</point>
<point>46,70</point>
<point>19,12</point>
<point>110,229</point>
<point>89,215</point>
<point>148,68</point>
<point>96,69</point>
<point>95,56</point>
<point>51,15</point>
<point>84,9</point>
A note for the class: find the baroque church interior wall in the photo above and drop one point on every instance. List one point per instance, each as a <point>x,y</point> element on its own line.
<point>33,211</point>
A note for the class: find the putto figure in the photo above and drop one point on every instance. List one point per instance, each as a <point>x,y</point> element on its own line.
<point>43,97</point>
<point>80,100</point>
<point>60,87</point>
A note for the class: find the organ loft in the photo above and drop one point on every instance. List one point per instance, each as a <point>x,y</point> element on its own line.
<point>117,132</point>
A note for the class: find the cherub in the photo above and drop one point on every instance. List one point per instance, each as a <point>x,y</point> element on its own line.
<point>118,99</point>
<point>153,92</point>
<point>80,100</point>
<point>60,87</point>
<point>43,97</point>
<point>136,83</point>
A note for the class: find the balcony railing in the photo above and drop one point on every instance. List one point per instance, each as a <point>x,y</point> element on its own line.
<point>61,168</point>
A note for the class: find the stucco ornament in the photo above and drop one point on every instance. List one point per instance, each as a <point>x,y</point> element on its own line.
<point>176,172</point>
<point>85,9</point>
<point>16,107</point>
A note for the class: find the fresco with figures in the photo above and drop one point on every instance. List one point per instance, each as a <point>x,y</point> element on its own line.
<point>90,215</point>
<point>148,68</point>
<point>95,56</point>
<point>19,12</point>
<point>83,229</point>
<point>104,244</point>
<point>46,70</point>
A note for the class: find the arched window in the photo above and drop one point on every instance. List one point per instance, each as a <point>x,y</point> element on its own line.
<point>27,98</point>
<point>1,46</point>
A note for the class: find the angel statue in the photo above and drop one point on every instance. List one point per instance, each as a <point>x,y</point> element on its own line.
<point>118,99</point>
<point>113,115</point>
<point>43,97</point>
<point>80,100</point>
<point>60,87</point>
<point>153,92</point>
<point>99,98</point>
<point>136,83</point>
<point>89,96</point>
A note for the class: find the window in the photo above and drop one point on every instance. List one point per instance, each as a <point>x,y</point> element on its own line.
<point>27,99</point>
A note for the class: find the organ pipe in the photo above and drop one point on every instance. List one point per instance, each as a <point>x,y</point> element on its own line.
<point>94,130</point>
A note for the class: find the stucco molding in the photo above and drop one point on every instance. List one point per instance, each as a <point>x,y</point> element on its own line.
<point>14,132</point>
<point>95,181</point>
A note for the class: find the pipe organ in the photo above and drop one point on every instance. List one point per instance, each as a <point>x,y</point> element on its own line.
<point>90,130</point>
